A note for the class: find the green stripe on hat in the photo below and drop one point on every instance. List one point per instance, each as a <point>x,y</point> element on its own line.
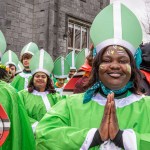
<point>61,68</point>
<point>116,25</point>
<point>81,56</point>
<point>10,57</point>
<point>41,62</point>
<point>30,48</point>
<point>2,43</point>
<point>71,57</point>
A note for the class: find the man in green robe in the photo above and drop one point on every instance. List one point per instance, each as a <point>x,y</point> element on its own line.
<point>112,114</point>
<point>20,81</point>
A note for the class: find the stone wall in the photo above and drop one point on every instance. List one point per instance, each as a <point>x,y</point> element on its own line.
<point>43,21</point>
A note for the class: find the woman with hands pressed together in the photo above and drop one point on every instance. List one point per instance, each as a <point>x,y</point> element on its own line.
<point>112,114</point>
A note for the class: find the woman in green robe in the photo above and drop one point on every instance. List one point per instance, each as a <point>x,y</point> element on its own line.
<point>40,95</point>
<point>112,114</point>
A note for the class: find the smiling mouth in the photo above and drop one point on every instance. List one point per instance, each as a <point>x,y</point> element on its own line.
<point>114,75</point>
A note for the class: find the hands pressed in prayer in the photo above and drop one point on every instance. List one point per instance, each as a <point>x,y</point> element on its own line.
<point>109,126</point>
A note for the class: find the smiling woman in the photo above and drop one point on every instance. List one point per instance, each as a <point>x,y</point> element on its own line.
<point>112,113</point>
<point>41,95</point>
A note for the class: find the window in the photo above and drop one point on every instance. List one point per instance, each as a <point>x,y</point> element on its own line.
<point>78,35</point>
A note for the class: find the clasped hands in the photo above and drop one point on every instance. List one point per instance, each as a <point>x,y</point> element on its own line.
<point>109,126</point>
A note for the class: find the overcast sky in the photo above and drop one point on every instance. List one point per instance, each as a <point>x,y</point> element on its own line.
<point>140,9</point>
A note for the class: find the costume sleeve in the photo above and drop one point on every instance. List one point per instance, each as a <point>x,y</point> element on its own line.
<point>54,131</point>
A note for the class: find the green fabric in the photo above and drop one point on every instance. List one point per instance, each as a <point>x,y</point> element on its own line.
<point>34,104</point>
<point>30,48</point>
<point>44,63</point>
<point>10,57</point>
<point>21,135</point>
<point>19,82</point>
<point>70,120</point>
<point>2,43</point>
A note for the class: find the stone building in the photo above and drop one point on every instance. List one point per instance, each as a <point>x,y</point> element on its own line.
<point>58,26</point>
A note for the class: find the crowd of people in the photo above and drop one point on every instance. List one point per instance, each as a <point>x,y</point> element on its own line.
<point>108,107</point>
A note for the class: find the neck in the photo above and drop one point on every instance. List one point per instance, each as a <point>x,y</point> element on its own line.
<point>27,70</point>
<point>40,89</point>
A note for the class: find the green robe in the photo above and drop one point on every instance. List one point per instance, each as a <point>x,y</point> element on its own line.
<point>37,104</point>
<point>21,136</point>
<point>74,123</point>
<point>21,81</point>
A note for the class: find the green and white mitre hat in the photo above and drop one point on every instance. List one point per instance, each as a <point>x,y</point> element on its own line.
<point>10,57</point>
<point>81,56</point>
<point>116,25</point>
<point>71,58</point>
<point>2,43</point>
<point>30,48</point>
<point>41,62</point>
<point>61,68</point>
<point>20,67</point>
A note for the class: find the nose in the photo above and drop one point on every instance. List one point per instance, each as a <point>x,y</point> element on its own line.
<point>115,65</point>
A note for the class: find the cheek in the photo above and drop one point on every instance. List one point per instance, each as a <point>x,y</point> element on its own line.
<point>102,67</point>
<point>45,80</point>
<point>128,68</point>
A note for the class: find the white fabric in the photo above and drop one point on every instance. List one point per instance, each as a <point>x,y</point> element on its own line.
<point>115,41</point>
<point>117,20</point>
<point>41,59</point>
<point>88,140</point>
<point>25,76</point>
<point>118,102</point>
<point>27,48</point>
<point>34,125</point>
<point>62,66</point>
<point>44,98</point>
<point>129,140</point>
<point>108,145</point>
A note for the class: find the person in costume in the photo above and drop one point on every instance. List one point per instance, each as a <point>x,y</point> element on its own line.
<point>15,129</point>
<point>40,95</point>
<point>71,57</point>
<point>86,67</point>
<point>145,67</point>
<point>112,114</point>
<point>20,82</point>
<point>60,71</point>
<point>10,59</point>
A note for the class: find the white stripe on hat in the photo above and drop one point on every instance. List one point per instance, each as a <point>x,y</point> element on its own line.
<point>27,48</point>
<point>41,60</point>
<point>62,66</point>
<point>73,54</point>
<point>117,20</point>
<point>86,52</point>
<point>9,56</point>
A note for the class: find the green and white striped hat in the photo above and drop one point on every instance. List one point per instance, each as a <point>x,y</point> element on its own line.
<point>20,67</point>
<point>30,48</point>
<point>116,25</point>
<point>71,57</point>
<point>41,62</point>
<point>81,56</point>
<point>2,43</point>
<point>61,68</point>
<point>10,57</point>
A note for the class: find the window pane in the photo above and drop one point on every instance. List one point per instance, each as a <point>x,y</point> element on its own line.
<point>70,36</point>
<point>77,37</point>
<point>84,39</point>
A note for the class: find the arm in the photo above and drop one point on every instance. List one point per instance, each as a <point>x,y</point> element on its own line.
<point>54,131</point>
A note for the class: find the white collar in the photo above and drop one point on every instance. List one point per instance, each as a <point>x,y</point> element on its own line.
<point>35,92</point>
<point>118,102</point>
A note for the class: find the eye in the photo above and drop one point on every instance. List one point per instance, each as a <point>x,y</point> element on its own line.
<point>106,60</point>
<point>123,61</point>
